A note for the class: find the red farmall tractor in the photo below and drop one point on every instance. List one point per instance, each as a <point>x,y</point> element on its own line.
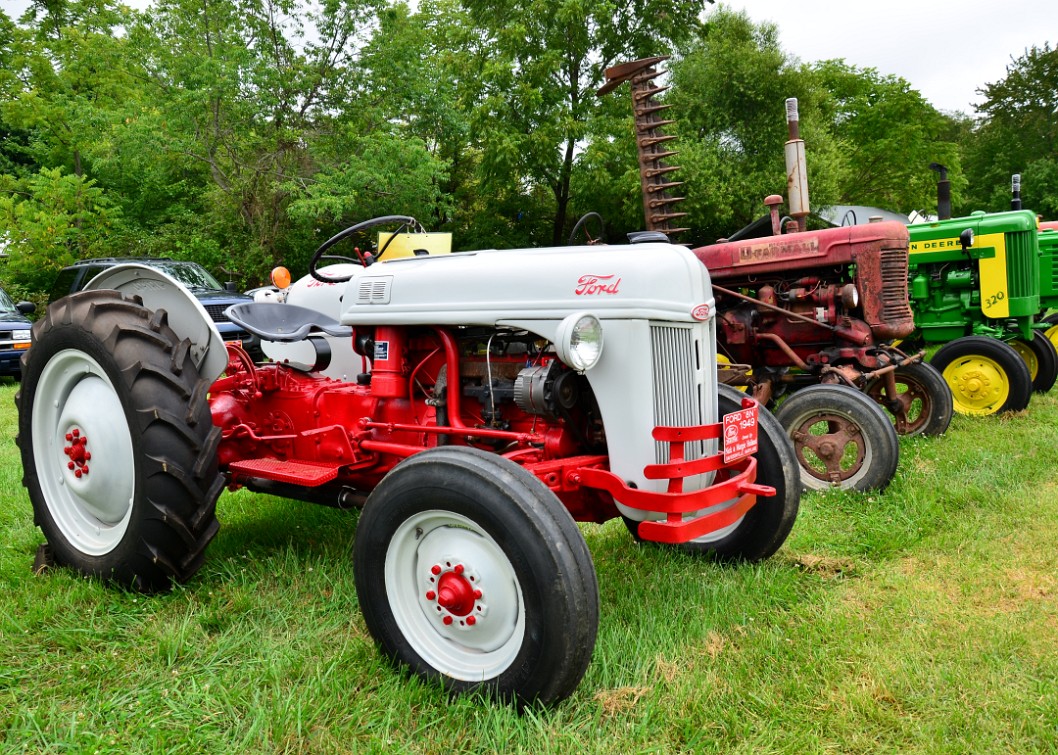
<point>812,312</point>
<point>492,400</point>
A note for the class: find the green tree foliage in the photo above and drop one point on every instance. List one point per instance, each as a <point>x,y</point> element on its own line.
<point>59,81</point>
<point>870,138</point>
<point>57,218</point>
<point>729,90</point>
<point>1018,133</point>
<point>241,133</point>
<point>233,90</point>
<point>539,64</point>
<point>888,136</point>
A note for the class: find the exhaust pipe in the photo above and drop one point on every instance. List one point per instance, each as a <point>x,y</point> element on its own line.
<point>796,167</point>
<point>943,191</point>
<point>1015,190</point>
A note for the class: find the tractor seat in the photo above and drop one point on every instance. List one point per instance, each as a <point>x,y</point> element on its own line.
<point>284,322</point>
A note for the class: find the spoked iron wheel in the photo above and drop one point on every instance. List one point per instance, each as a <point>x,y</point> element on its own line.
<point>841,438</point>
<point>922,403</point>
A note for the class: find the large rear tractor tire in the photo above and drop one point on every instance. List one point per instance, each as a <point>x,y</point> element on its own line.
<point>1041,358</point>
<point>986,376</point>
<point>841,438</point>
<point>922,404</point>
<point>118,446</point>
<point>1052,328</point>
<point>471,572</point>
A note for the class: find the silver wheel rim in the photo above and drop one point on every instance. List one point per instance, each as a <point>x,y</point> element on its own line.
<point>455,596</point>
<point>83,453</point>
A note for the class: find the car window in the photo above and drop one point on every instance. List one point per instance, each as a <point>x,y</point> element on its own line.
<point>192,275</point>
<point>63,283</point>
<point>6,305</point>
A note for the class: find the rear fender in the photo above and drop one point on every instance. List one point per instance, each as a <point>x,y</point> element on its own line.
<point>187,316</point>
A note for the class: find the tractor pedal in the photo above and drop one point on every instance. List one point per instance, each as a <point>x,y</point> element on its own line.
<point>305,473</point>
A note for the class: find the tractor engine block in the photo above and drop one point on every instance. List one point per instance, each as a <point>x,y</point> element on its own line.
<point>811,298</point>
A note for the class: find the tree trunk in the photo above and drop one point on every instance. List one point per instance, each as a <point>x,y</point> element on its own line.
<point>561,190</point>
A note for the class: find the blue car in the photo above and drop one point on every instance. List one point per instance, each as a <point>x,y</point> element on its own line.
<point>14,334</point>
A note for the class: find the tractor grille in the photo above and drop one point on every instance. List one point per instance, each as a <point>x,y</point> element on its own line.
<point>1022,267</point>
<point>217,312</point>
<point>676,356</point>
<point>1048,269</point>
<point>895,307</point>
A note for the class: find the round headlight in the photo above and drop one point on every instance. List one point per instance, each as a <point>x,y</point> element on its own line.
<point>850,296</point>
<point>579,341</point>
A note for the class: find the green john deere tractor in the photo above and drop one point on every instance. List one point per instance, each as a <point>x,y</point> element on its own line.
<point>975,286</point>
<point>1048,242</point>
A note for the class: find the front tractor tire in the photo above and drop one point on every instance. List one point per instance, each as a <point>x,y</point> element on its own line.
<point>842,439</point>
<point>923,402</point>
<point>118,446</point>
<point>765,527</point>
<point>470,571</point>
<point>986,375</point>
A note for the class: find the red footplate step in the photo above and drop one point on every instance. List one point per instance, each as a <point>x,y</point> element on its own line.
<point>305,473</point>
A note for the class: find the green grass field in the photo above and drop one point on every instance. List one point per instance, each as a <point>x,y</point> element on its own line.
<point>921,619</point>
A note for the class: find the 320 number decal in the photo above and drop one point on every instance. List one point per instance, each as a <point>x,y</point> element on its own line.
<point>994,299</point>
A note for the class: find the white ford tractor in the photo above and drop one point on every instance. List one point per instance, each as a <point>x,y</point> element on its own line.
<point>485,403</point>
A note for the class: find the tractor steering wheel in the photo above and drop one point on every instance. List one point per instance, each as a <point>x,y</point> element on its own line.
<point>583,222</point>
<point>405,221</point>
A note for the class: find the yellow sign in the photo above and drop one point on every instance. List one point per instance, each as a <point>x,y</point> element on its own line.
<point>994,292</point>
<point>407,244</point>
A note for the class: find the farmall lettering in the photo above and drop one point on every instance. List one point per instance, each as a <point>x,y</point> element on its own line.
<point>778,250</point>
<point>592,285</point>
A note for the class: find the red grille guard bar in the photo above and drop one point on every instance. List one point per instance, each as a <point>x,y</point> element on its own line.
<point>733,492</point>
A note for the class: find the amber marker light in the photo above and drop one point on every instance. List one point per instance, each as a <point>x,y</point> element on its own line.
<point>280,277</point>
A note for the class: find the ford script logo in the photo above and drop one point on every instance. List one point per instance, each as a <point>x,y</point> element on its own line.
<point>701,312</point>
<point>588,285</point>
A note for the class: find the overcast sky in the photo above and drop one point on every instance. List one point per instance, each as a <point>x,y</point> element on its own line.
<point>946,49</point>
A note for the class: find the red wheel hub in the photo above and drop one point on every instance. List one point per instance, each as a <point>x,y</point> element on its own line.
<point>78,452</point>
<point>455,594</point>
